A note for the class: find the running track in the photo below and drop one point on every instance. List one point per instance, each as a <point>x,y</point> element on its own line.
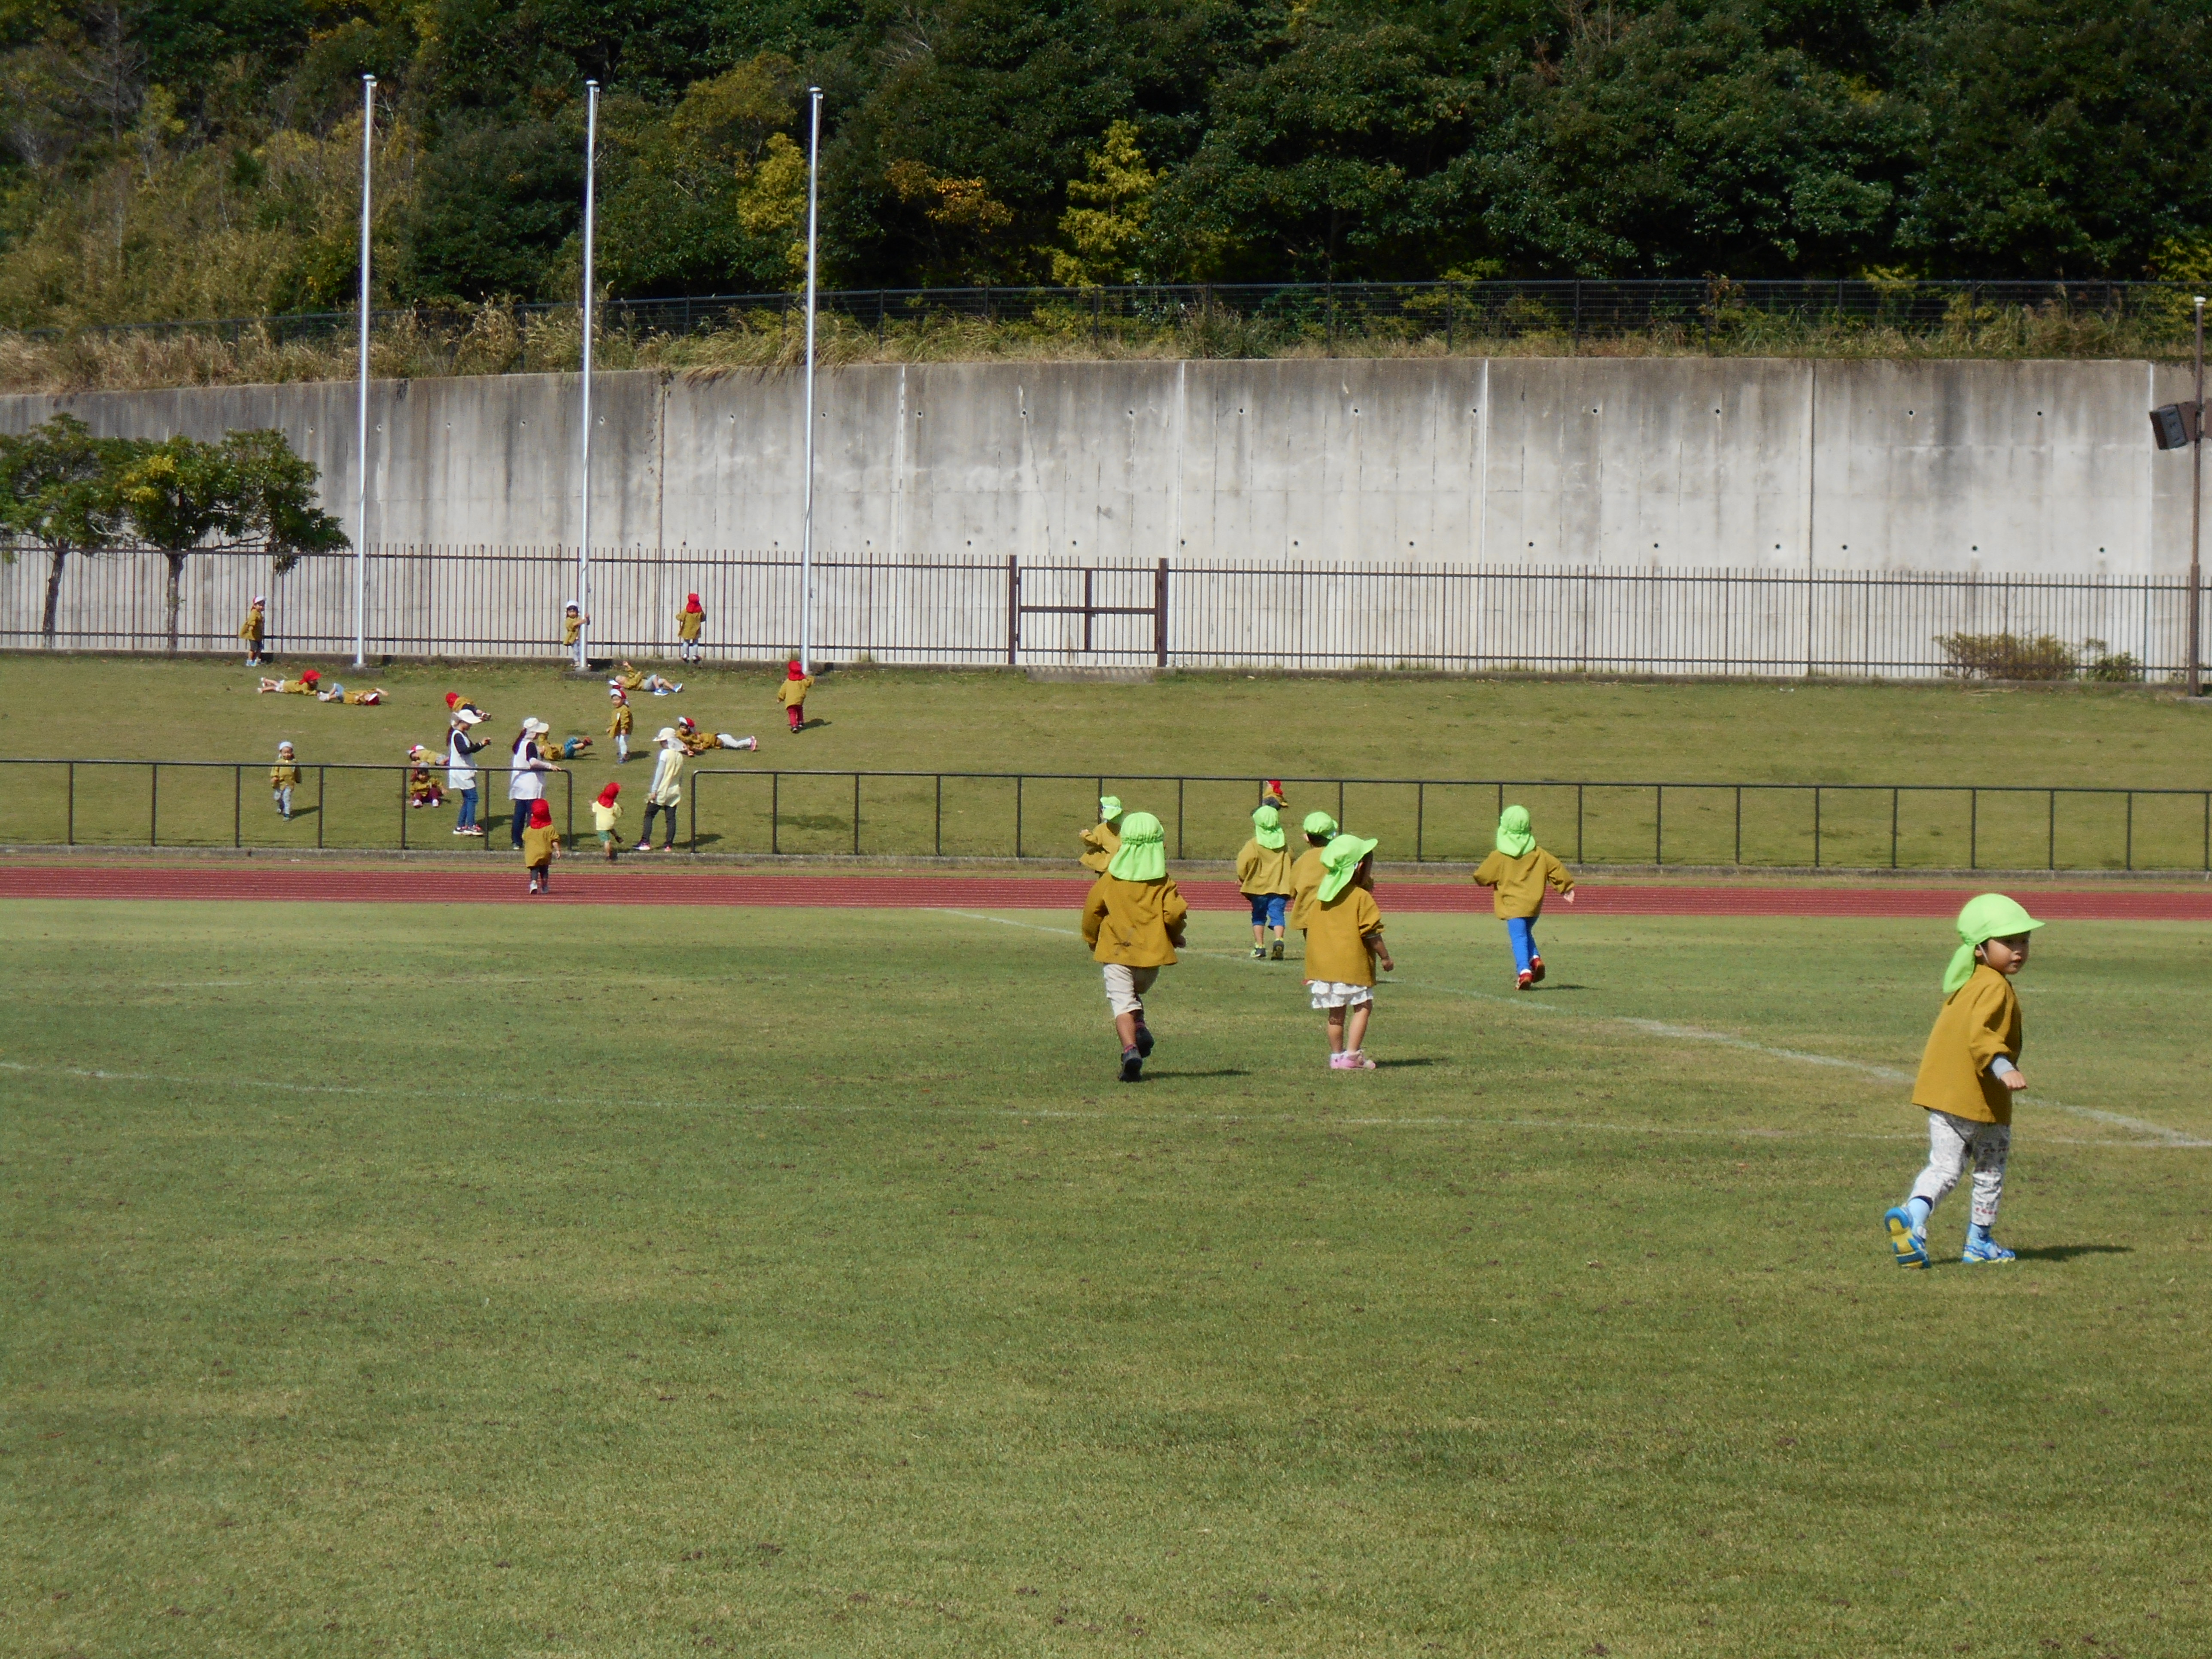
<point>870,891</point>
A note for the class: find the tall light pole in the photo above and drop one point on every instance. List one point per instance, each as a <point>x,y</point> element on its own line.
<point>2197,517</point>
<point>806,532</point>
<point>584,476</point>
<point>361,456</point>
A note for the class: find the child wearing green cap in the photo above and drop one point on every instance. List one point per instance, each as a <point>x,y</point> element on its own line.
<point>1520,870</point>
<point>1132,921</point>
<point>1263,876</point>
<point>1306,873</point>
<point>1101,839</point>
<point>1344,941</point>
<point>1968,1076</point>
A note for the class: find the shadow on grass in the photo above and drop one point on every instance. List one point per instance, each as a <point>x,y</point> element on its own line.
<point>1176,1076</point>
<point>1393,1065</point>
<point>2068,1252</point>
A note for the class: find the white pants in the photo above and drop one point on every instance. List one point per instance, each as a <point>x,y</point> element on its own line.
<point>1951,1142</point>
<point>1125,987</point>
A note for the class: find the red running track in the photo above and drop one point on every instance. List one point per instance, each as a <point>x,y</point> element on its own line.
<point>870,891</point>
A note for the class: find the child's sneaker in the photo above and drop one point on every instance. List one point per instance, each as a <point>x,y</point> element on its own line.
<point>1341,1063</point>
<point>1259,953</point>
<point>679,686</point>
<point>1356,1060</point>
<point>1535,970</point>
<point>1908,1242</point>
<point>1980,1247</point>
<point>1143,1039</point>
<point>1275,952</point>
<point>1523,980</point>
<point>1132,1065</point>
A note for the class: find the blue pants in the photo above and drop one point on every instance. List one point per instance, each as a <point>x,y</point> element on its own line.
<point>467,816</point>
<point>1521,930</point>
<point>1267,908</point>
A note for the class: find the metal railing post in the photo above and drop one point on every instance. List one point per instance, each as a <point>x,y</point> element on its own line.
<point>1018,815</point>
<point>936,827</point>
<point>237,807</point>
<point>2131,829</point>
<point>403,809</point>
<point>1420,802</point>
<point>2051,833</point>
<point>568,812</point>
<point>69,807</point>
<point>1658,824</point>
<point>856,815</point>
<point>1892,829</point>
<point>1179,783</point>
<point>1973,829</point>
<point>154,808</point>
<point>320,792</point>
<point>1739,824</point>
<point>775,813</point>
<point>1579,823</point>
<point>1816,826</point>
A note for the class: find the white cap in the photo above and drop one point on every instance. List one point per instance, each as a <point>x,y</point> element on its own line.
<point>534,724</point>
<point>259,598</point>
<point>666,735</point>
<point>467,716</point>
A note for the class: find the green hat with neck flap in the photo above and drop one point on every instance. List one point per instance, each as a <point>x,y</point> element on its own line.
<point>1516,838</point>
<point>1340,863</point>
<point>1267,827</point>
<point>1991,915</point>
<point>1320,824</point>
<point>1143,855</point>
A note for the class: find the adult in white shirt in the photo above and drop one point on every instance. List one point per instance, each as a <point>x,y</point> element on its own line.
<point>666,792</point>
<point>526,776</point>
<point>461,769</point>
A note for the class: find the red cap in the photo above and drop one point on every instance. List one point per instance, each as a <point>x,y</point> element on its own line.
<point>453,699</point>
<point>795,672</point>
<point>691,602</point>
<point>311,675</point>
<point>607,795</point>
<point>541,815</point>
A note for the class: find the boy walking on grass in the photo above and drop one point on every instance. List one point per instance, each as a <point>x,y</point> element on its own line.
<point>792,694</point>
<point>1305,875</point>
<point>1132,921</point>
<point>284,779</point>
<point>606,819</point>
<point>1520,870</point>
<point>1968,1076</point>
<point>620,722</point>
<point>1263,876</point>
<point>1104,837</point>
<point>1344,941</point>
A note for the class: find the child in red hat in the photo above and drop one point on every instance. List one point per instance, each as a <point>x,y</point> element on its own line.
<point>606,817</point>
<point>689,621</point>
<point>792,694</point>
<point>541,844</point>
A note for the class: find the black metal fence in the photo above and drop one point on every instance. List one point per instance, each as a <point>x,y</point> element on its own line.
<point>507,602</point>
<point>1025,816</point>
<point>1308,311</point>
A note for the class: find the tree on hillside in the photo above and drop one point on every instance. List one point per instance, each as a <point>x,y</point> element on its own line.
<point>60,493</point>
<point>249,493</point>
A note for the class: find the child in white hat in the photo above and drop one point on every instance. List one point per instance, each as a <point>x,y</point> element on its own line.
<point>284,779</point>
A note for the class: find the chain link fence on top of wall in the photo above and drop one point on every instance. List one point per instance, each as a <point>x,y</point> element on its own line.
<point>2100,318</point>
<point>507,602</point>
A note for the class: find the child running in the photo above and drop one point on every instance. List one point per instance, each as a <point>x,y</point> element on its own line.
<point>689,621</point>
<point>606,819</point>
<point>1263,876</point>
<point>540,844</point>
<point>1344,941</point>
<point>284,779</point>
<point>792,694</point>
<point>1305,875</point>
<point>1103,838</point>
<point>1133,920</point>
<point>1968,1076</point>
<point>1520,870</point>
<point>619,723</point>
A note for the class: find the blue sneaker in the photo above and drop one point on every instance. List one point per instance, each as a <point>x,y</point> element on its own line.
<point>1908,1243</point>
<point>1980,1247</point>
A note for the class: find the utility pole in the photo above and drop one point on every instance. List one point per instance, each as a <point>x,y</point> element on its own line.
<point>360,456</point>
<point>584,476</point>
<point>806,532</point>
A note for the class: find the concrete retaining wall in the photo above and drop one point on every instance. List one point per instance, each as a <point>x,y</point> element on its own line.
<point>2024,467</point>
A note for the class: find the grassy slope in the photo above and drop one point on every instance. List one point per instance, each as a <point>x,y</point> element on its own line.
<point>1382,727</point>
<point>553,1280</point>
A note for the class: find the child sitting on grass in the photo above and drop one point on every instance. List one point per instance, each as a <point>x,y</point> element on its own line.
<point>1263,876</point>
<point>540,846</point>
<point>422,788</point>
<point>606,819</point>
<point>1132,921</point>
<point>1967,1079</point>
<point>284,779</point>
<point>1305,875</point>
<point>1103,839</point>
<point>1344,941</point>
<point>303,687</point>
<point>1520,870</point>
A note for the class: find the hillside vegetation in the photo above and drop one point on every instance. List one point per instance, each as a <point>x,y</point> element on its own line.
<point>200,158</point>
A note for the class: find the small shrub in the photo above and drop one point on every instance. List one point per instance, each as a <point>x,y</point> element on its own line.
<point>2008,656</point>
<point>2101,663</point>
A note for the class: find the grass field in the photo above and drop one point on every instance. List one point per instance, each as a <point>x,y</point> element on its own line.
<point>515,1281</point>
<point>1383,727</point>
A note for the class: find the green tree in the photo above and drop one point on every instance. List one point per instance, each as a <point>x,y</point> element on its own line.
<point>60,493</point>
<point>1104,227</point>
<point>249,493</point>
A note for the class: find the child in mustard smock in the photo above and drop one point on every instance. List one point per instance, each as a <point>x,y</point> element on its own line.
<point>1520,870</point>
<point>1344,941</point>
<point>1132,921</point>
<point>541,844</point>
<point>1263,876</point>
<point>1103,839</point>
<point>1306,873</point>
<point>1967,1079</point>
<point>284,779</point>
<point>792,694</point>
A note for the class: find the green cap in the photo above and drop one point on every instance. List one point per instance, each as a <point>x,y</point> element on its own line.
<point>1991,915</point>
<point>1267,827</point>
<point>1516,839</point>
<point>1320,824</point>
<point>1340,859</point>
<point>1109,808</point>
<point>1143,855</point>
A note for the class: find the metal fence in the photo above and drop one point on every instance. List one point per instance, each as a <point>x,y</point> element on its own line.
<point>507,602</point>
<point>1037,816</point>
<point>1308,311</point>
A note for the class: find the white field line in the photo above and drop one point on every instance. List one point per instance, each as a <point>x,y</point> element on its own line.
<point>2157,1133</point>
